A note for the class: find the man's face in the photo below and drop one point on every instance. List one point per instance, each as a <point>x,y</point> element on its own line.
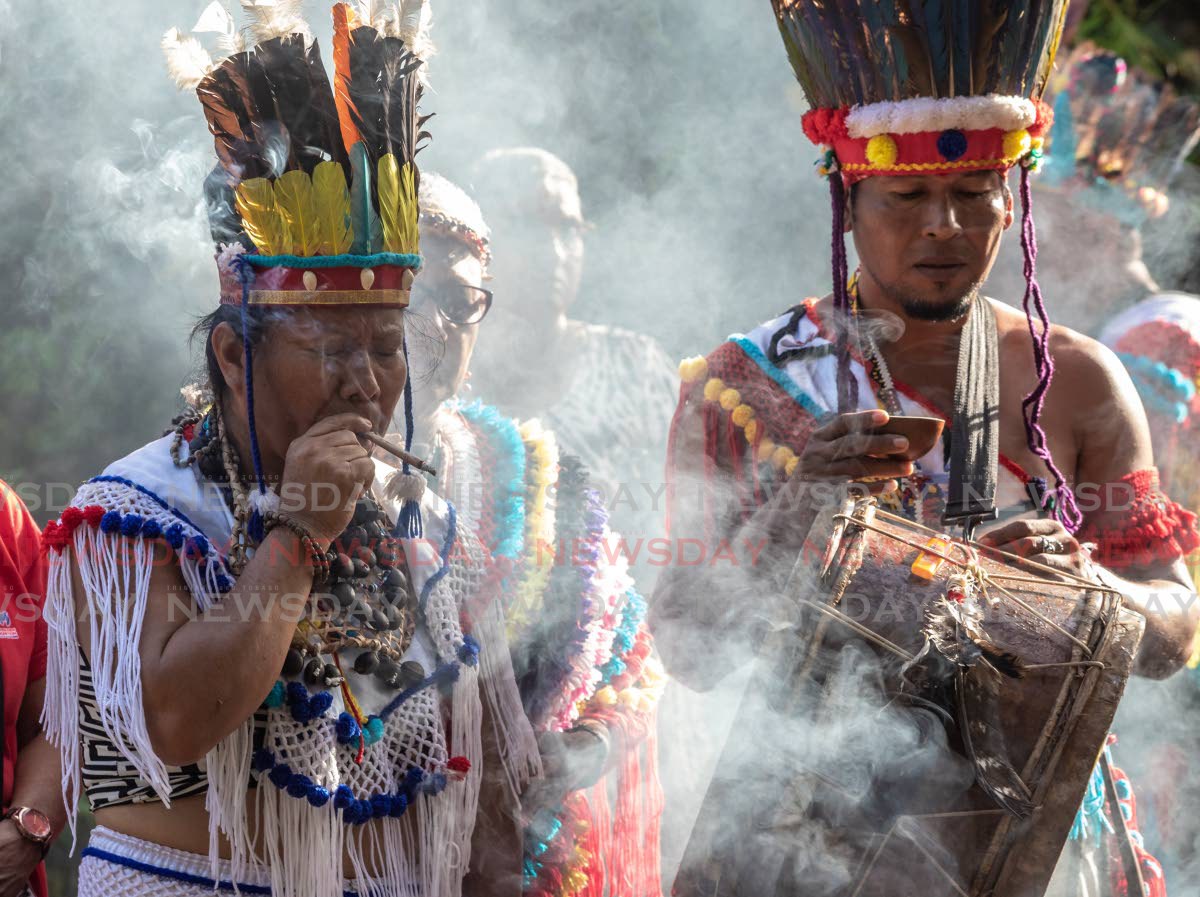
<point>539,253</point>
<point>928,241</point>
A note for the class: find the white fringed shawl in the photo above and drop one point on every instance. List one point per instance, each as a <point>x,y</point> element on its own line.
<point>427,848</point>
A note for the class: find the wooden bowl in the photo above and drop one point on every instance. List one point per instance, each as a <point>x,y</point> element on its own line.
<point>922,433</point>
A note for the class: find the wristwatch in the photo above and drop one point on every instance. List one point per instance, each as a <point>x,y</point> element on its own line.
<point>33,825</point>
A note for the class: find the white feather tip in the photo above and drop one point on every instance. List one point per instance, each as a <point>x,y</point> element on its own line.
<point>187,62</point>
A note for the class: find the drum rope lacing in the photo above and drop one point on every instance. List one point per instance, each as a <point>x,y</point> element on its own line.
<point>975,569</point>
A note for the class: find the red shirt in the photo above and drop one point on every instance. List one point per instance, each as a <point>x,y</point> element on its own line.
<point>22,627</point>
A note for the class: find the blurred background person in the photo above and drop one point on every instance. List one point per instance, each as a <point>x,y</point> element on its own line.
<point>30,795</point>
<point>607,392</point>
<point>1119,139</point>
<point>1158,340</point>
<point>579,646</point>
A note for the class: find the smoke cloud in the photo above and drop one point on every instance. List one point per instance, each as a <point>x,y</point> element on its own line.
<point>680,117</point>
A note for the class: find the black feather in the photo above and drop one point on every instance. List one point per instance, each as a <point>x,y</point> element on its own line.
<point>1004,661</point>
<point>223,219</point>
<point>384,93</point>
<point>983,741</point>
<point>271,110</point>
<point>231,114</point>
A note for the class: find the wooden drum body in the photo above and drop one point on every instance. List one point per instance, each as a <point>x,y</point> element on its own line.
<point>853,804</point>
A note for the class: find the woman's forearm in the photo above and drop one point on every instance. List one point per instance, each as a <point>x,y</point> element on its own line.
<point>38,781</point>
<point>212,672</point>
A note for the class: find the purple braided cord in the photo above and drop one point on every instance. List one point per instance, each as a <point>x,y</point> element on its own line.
<point>1065,510</point>
<point>846,382</point>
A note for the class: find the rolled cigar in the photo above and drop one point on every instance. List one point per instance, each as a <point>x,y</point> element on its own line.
<point>407,457</point>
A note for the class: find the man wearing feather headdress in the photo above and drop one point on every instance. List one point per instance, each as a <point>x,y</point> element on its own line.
<point>922,110</point>
<point>261,670</point>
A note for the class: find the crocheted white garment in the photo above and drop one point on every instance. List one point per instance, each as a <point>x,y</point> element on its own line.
<point>429,845</point>
<point>101,877</point>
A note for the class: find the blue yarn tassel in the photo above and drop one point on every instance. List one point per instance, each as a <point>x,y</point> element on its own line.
<point>245,273</point>
<point>408,522</point>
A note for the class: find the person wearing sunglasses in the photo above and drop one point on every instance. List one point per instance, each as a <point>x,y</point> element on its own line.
<point>577,640</point>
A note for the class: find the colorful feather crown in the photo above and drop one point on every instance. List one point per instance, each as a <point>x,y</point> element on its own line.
<point>1121,131</point>
<point>930,87</point>
<point>314,201</point>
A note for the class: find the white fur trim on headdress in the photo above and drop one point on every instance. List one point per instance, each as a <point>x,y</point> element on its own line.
<point>930,114</point>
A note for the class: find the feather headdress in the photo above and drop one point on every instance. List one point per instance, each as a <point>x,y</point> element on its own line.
<point>931,87</point>
<point>314,199</point>
<point>317,179</point>
<point>923,87</point>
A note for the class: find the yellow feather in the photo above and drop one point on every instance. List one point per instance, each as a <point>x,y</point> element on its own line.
<point>294,197</point>
<point>261,218</point>
<point>408,208</point>
<point>390,203</point>
<point>333,208</point>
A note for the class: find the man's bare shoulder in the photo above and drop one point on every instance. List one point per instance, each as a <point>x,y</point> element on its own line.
<point>1077,357</point>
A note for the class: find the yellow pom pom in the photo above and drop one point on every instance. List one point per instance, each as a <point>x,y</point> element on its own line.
<point>692,370</point>
<point>713,389</point>
<point>576,881</point>
<point>1017,144</point>
<point>742,415</point>
<point>882,151</point>
<point>606,697</point>
<point>1038,143</point>
<point>629,697</point>
<point>751,431</point>
<point>730,399</point>
<point>782,456</point>
<point>790,467</point>
<point>766,448</point>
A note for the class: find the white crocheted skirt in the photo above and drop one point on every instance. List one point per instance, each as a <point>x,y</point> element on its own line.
<point>115,864</point>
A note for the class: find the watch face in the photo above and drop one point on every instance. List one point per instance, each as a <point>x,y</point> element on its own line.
<point>35,824</point>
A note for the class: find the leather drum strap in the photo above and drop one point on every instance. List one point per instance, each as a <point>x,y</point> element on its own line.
<point>1129,858</point>
<point>975,428</point>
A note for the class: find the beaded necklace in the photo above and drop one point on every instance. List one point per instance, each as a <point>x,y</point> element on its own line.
<point>366,602</point>
<point>918,494</point>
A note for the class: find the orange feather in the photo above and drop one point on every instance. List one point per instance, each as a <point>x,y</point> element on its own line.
<point>345,20</point>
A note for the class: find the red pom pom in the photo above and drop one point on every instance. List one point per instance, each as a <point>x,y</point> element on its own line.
<point>189,432</point>
<point>72,517</point>
<point>55,536</point>
<point>92,514</point>
<point>825,126</point>
<point>458,764</point>
<point>622,682</point>
<point>1044,120</point>
<point>641,650</point>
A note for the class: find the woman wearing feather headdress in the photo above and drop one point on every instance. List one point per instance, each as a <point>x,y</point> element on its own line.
<point>261,673</point>
<point>589,682</point>
<point>922,111</point>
